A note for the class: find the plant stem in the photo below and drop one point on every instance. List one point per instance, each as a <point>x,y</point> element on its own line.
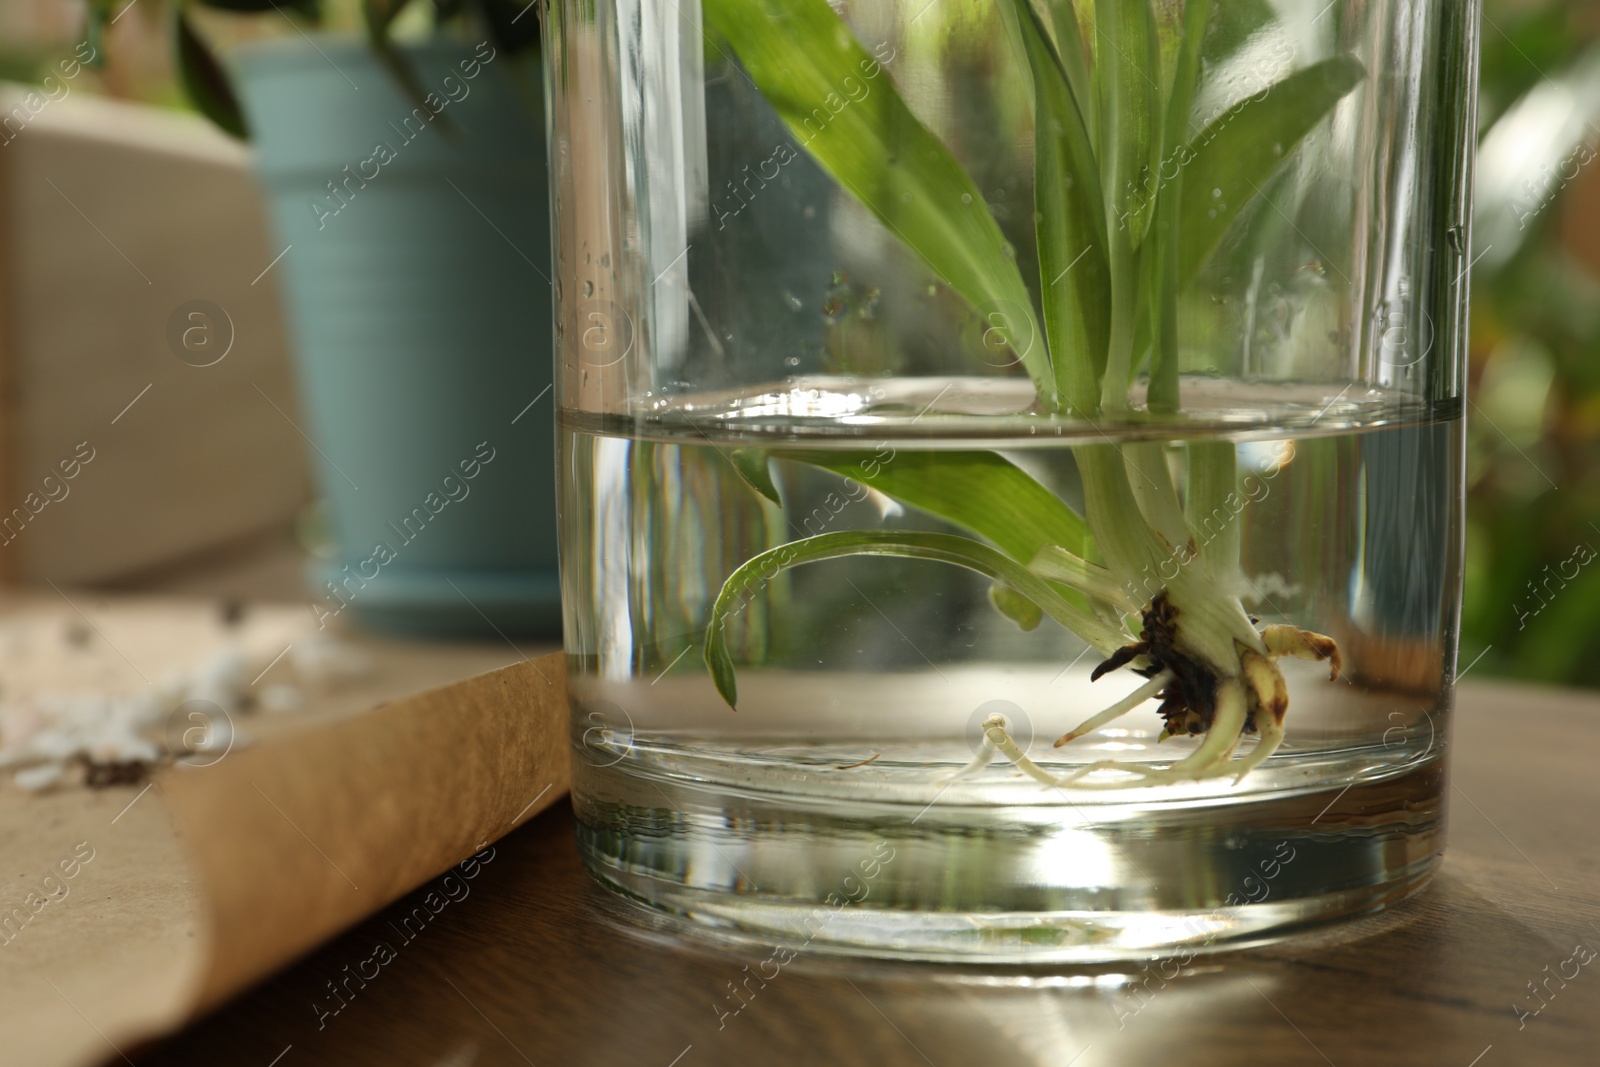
<point>1213,479</point>
<point>1141,555</point>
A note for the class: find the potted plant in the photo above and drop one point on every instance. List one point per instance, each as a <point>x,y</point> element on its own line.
<point>405,173</point>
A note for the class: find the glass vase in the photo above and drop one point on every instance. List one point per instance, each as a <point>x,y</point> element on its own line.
<point>940,380</point>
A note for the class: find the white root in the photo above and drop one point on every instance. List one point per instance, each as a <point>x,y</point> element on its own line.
<point>996,741</point>
<point>1271,738</point>
<point>1215,756</point>
<point>1211,760</point>
<point>1222,738</point>
<point>986,753</point>
<point>1150,689</point>
<point>994,732</point>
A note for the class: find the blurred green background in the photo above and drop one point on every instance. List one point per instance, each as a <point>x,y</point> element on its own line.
<point>1532,607</point>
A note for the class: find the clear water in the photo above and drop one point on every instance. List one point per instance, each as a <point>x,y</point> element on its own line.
<point>822,811</point>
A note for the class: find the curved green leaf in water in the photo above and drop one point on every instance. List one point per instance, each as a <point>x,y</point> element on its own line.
<point>751,465</point>
<point>981,491</point>
<point>937,547</point>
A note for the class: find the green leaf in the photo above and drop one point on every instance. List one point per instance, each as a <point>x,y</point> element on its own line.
<point>1160,324</point>
<point>751,463</point>
<point>97,17</point>
<point>843,108</point>
<point>980,491</point>
<point>1213,479</point>
<point>379,16</point>
<point>1236,22</point>
<point>1128,95</point>
<point>1072,570</point>
<point>1128,73</point>
<point>203,79</point>
<point>1074,274</point>
<point>1559,641</point>
<point>513,25</point>
<point>1016,607</point>
<point>1074,57</point>
<point>1161,276</point>
<point>941,548</point>
<point>311,9</point>
<point>1186,75</point>
<point>1233,158</point>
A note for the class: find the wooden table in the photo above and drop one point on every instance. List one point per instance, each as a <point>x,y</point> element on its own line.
<point>539,966</point>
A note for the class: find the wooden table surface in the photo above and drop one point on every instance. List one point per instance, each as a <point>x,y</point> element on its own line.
<point>538,966</point>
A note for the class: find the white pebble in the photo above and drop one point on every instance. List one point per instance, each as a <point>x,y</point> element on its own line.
<point>144,710</point>
<point>18,722</point>
<point>55,744</point>
<point>38,779</point>
<point>322,660</point>
<point>220,679</point>
<point>82,712</point>
<point>118,746</point>
<point>282,698</point>
<point>172,686</point>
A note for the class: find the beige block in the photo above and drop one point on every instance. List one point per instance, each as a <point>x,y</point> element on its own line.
<point>114,221</point>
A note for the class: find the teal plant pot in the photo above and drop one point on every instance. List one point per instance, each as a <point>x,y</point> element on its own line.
<point>417,285</point>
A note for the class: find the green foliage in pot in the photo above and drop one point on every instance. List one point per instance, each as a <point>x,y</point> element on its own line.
<point>512,26</point>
